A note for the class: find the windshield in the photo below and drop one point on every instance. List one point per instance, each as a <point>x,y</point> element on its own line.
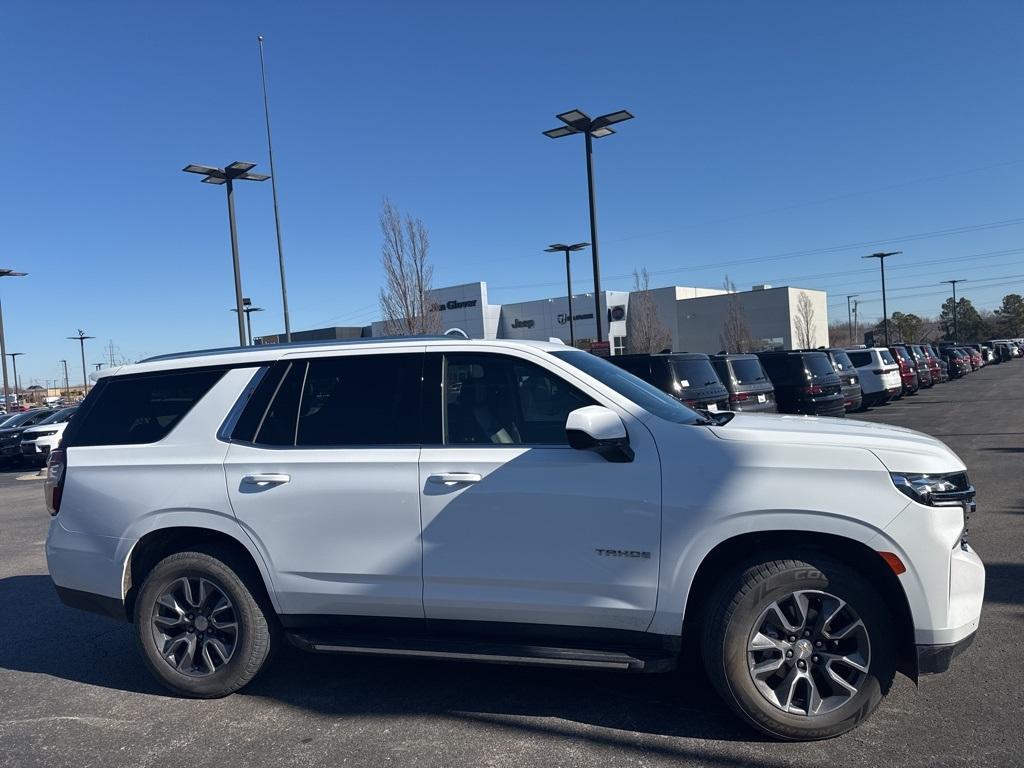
<point>649,398</point>
<point>748,371</point>
<point>59,417</point>
<point>886,357</point>
<point>695,373</point>
<point>818,365</point>
<point>17,419</point>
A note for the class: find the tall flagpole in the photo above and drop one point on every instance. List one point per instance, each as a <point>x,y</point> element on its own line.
<point>273,187</point>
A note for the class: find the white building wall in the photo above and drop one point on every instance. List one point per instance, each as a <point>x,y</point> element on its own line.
<point>549,318</point>
<point>769,314</point>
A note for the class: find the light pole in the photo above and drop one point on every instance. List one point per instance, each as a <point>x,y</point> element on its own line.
<point>14,361</point>
<point>273,189</point>
<point>577,121</point>
<point>885,311</point>
<point>80,338</point>
<point>67,384</point>
<point>98,366</point>
<point>849,315</point>
<point>248,308</point>
<point>567,249</point>
<point>856,324</point>
<point>956,328</point>
<point>227,175</point>
<point>3,344</point>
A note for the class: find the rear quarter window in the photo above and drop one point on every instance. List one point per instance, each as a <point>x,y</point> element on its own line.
<point>138,409</point>
<point>860,359</point>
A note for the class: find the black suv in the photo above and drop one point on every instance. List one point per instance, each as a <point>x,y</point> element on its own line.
<point>749,387</point>
<point>805,382</point>
<point>687,376</point>
<point>849,379</point>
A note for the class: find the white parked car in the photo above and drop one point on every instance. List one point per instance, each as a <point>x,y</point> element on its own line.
<point>879,373</point>
<point>508,501</point>
<point>37,442</point>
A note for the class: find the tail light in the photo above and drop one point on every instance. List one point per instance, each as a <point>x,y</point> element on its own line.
<point>738,397</point>
<point>811,389</point>
<point>53,485</point>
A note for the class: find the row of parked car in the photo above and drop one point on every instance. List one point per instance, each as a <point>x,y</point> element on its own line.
<point>820,382</point>
<point>29,436</point>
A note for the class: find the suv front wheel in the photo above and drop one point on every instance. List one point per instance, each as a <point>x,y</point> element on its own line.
<point>801,650</point>
<point>200,626</point>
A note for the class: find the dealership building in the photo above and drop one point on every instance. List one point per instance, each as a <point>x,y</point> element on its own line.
<point>694,317</point>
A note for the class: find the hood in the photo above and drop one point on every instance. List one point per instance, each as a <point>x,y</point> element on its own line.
<point>58,427</point>
<point>899,449</point>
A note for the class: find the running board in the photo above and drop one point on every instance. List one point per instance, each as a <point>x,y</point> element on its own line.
<point>485,652</point>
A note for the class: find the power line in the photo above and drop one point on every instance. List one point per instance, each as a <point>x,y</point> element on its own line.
<point>808,252</point>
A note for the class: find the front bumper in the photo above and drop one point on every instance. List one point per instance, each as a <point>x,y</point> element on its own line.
<point>935,659</point>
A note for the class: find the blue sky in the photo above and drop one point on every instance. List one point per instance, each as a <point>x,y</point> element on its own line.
<point>773,142</point>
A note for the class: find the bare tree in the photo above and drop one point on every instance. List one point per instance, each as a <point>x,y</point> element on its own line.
<point>806,328</point>
<point>735,336</point>
<point>405,301</point>
<point>645,333</point>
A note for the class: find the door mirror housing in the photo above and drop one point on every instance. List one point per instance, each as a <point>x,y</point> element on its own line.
<point>599,429</point>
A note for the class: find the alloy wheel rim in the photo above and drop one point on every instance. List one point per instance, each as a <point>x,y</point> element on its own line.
<point>809,653</point>
<point>195,626</point>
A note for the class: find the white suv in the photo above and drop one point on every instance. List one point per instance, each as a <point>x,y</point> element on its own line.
<point>509,502</point>
<point>879,373</point>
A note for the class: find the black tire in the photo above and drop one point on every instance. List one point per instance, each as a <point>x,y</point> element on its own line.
<point>737,605</point>
<point>257,634</point>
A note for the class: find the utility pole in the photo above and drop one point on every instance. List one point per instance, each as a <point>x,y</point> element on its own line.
<point>856,325</point>
<point>80,338</point>
<point>849,315</point>
<point>67,384</point>
<point>956,329</point>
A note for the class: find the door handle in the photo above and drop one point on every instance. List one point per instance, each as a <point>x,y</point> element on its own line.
<point>451,478</point>
<point>266,479</point>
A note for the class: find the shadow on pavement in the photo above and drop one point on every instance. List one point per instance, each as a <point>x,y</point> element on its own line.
<point>42,636</point>
<point>1004,583</point>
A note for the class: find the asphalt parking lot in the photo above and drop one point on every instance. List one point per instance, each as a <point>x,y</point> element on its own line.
<point>74,692</point>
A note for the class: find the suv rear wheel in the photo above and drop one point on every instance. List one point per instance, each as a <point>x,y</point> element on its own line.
<point>200,626</point>
<point>801,650</point>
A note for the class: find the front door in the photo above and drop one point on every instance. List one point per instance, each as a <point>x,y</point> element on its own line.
<point>326,485</point>
<point>518,526</point>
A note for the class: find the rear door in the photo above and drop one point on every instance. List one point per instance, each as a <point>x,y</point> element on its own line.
<point>519,527</point>
<point>322,475</point>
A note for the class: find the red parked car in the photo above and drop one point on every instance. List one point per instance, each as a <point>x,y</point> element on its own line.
<point>934,365</point>
<point>908,369</point>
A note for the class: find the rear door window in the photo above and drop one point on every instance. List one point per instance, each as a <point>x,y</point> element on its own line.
<point>138,409</point>
<point>842,361</point>
<point>345,401</point>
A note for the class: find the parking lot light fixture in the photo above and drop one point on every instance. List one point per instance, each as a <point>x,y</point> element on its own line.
<point>3,344</point>
<point>567,249</point>
<point>882,256</point>
<point>248,308</point>
<point>226,176</point>
<point>577,121</point>
<point>81,338</point>
<point>956,329</point>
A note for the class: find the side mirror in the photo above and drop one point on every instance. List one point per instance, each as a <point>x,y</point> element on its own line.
<point>599,429</point>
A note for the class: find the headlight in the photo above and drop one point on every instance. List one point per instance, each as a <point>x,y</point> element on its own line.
<point>924,489</point>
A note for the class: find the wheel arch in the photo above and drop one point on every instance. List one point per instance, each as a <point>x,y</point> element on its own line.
<point>857,555</point>
<point>161,542</point>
